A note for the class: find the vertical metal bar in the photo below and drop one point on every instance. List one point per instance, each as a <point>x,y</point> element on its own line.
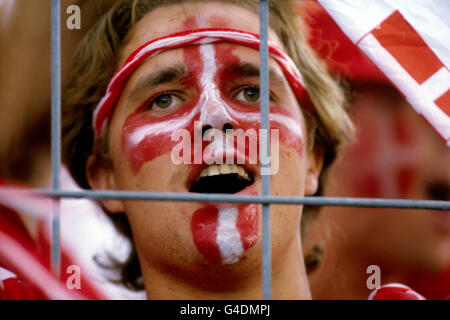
<point>56,129</point>
<point>264,147</point>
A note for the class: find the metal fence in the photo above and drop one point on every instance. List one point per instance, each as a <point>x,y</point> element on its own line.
<point>265,198</point>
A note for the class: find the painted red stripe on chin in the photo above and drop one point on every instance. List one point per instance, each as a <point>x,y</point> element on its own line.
<point>204,230</point>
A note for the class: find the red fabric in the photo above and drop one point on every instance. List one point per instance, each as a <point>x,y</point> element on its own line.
<point>12,225</point>
<point>395,292</point>
<point>400,39</point>
<point>432,286</point>
<point>333,46</point>
<point>14,289</point>
<point>443,102</point>
<point>17,288</point>
<point>87,289</point>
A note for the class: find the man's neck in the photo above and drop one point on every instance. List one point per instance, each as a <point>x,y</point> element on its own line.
<point>289,281</point>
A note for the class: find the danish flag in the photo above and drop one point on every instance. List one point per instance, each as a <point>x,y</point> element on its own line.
<point>409,41</point>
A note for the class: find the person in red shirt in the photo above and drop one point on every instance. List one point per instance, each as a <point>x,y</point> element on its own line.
<point>396,155</point>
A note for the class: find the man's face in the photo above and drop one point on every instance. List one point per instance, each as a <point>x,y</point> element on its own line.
<point>216,85</point>
<point>396,155</point>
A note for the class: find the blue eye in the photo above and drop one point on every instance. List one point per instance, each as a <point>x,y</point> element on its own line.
<point>249,94</point>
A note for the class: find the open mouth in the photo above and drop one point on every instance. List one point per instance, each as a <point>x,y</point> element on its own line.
<point>224,178</point>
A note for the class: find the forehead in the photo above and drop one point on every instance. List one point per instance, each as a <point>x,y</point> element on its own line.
<point>182,17</point>
<point>231,61</point>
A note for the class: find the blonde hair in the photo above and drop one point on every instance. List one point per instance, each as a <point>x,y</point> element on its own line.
<point>97,59</point>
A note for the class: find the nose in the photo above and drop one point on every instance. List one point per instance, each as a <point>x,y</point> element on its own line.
<point>225,127</point>
<point>215,115</point>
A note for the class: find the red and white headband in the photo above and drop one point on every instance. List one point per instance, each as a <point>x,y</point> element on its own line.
<point>105,107</point>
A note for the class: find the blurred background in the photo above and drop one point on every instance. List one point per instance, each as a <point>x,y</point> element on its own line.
<point>396,155</point>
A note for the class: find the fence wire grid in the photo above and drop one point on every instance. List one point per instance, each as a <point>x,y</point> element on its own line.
<point>265,198</point>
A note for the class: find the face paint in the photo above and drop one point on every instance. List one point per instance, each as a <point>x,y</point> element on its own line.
<point>104,109</point>
<point>222,234</point>
<point>405,176</point>
<point>403,133</point>
<point>387,154</point>
<point>146,136</point>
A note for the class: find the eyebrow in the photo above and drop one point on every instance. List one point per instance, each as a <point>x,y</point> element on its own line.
<point>175,72</point>
<point>165,75</point>
<point>252,70</point>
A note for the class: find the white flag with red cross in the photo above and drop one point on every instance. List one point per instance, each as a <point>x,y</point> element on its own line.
<point>409,41</point>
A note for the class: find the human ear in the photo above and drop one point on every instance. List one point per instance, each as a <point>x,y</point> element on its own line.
<point>315,165</point>
<point>100,175</point>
